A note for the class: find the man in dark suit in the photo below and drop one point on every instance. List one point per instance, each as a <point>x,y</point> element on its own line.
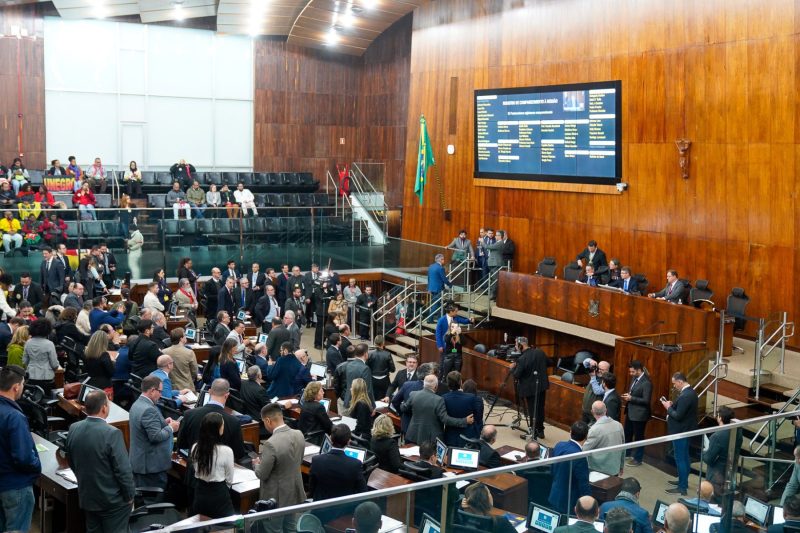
<point>254,395</point>
<point>586,512</point>
<point>530,372</point>
<point>681,417</point>
<point>592,255</point>
<point>611,397</point>
<point>460,403</point>
<point>232,432</point>
<point>258,281</point>
<point>488,456</point>
<point>427,459</point>
<point>405,393</point>
<point>353,369</point>
<point>52,276</point>
<point>231,272</point>
<point>75,297</point>
<point>295,304</point>
<point>225,299</point>
<point>151,436</point>
<point>27,291</point>
<point>672,291</point>
<point>334,474</point>
<point>211,290</point>
<point>97,455</point>
<point>791,515</point>
<point>143,352</point>
<point>309,284</point>
<point>625,281</point>
<point>716,455</point>
<point>410,373</point>
<point>589,277</point>
<point>570,478</point>
<point>107,263</point>
<point>223,327</point>
<point>637,409</point>
<point>428,413</point>
<point>243,296</point>
<point>333,357</point>
<point>283,291</point>
<point>276,338</point>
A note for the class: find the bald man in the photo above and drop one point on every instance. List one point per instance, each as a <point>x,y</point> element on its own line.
<point>703,502</point>
<point>165,366</point>
<point>488,456</point>
<point>677,519</point>
<point>586,511</point>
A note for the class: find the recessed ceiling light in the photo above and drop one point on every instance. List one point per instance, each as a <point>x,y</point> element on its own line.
<point>332,38</point>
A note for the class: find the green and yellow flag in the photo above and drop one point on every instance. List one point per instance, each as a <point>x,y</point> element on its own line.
<point>424,159</point>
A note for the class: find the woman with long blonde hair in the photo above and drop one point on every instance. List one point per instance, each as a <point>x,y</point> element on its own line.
<point>384,446</point>
<point>361,408</point>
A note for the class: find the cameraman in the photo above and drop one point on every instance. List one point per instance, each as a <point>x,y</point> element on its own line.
<point>594,390</point>
<point>530,371</point>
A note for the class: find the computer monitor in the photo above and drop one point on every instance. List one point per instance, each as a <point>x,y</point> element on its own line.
<point>318,370</point>
<point>463,458</point>
<point>441,451</point>
<point>173,309</point>
<point>262,338</point>
<point>429,525</point>
<point>777,515</point>
<point>84,392</point>
<point>702,522</point>
<point>242,315</point>
<point>542,519</point>
<point>191,334</point>
<point>659,511</point>
<point>326,445</point>
<point>326,403</point>
<point>598,525</point>
<point>544,451</point>
<point>356,453</point>
<point>756,510</point>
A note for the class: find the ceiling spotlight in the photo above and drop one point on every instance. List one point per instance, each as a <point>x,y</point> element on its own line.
<point>369,4</point>
<point>178,13</point>
<point>332,38</point>
<point>348,20</point>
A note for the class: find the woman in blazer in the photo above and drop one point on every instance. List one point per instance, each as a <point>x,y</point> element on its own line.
<point>384,446</point>
<point>313,416</point>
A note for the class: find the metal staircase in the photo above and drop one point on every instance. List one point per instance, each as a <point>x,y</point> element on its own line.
<point>773,332</point>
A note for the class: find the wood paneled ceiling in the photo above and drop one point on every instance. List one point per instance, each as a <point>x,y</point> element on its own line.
<point>343,26</point>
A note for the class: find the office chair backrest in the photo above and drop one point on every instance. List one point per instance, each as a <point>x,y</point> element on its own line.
<point>700,291</point>
<point>547,267</point>
<point>736,304</point>
<point>568,377</point>
<point>641,281</point>
<point>308,523</point>
<point>470,443</point>
<point>572,271</point>
<point>415,473</point>
<point>163,514</point>
<point>464,518</point>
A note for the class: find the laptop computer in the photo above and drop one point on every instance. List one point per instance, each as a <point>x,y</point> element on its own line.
<point>262,338</point>
<point>542,519</point>
<point>441,451</point>
<point>84,392</point>
<point>756,510</point>
<point>318,370</point>
<point>544,451</point>
<point>777,515</point>
<point>463,458</point>
<point>356,453</point>
<point>242,315</point>
<point>702,522</point>
<point>326,403</point>
<point>598,524</point>
<point>191,334</point>
<point>429,525</point>
<point>658,512</point>
<point>326,445</point>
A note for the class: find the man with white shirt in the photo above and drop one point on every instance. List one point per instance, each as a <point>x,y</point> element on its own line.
<point>151,298</point>
<point>257,280</point>
<point>245,199</point>
<point>673,291</point>
<point>237,334</point>
<point>605,432</point>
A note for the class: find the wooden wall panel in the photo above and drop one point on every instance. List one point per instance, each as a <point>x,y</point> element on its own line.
<point>31,74</point>
<point>306,100</point>
<point>722,73</point>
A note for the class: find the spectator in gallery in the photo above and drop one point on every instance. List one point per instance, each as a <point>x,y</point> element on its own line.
<point>27,206</point>
<point>245,199</point>
<point>183,172</point>
<point>133,180</point>
<point>197,199</point>
<point>56,169</point>
<point>177,198</point>
<point>229,201</point>
<point>74,170</point>
<point>97,173</point>
<point>11,230</point>
<point>85,200</point>
<point>18,179</point>
<point>213,199</point>
<point>46,199</point>
<point>54,230</point>
<point>127,215</point>
<point>32,231</point>
<point>8,200</point>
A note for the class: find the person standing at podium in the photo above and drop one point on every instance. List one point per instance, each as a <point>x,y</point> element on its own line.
<point>530,371</point>
<point>681,417</point>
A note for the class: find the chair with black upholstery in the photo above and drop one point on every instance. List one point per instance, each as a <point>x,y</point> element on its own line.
<point>736,305</point>
<point>92,229</point>
<point>231,178</point>
<point>246,178</point>
<point>687,291</point>
<point>273,179</point>
<point>170,227</point>
<point>38,408</point>
<point>213,177</point>
<point>572,271</point>
<point>103,201</point>
<point>261,179</point>
<point>148,177</point>
<point>413,472</point>
<point>470,443</point>
<point>222,225</point>
<point>260,199</point>
<point>641,281</point>
<point>156,514</point>
<point>285,179</point>
<point>188,226</point>
<point>73,370</point>
<point>204,226</point>
<point>473,521</point>
<point>157,200</point>
<point>547,267</point>
<point>700,293</point>
<point>358,440</point>
<point>164,179</point>
<point>36,177</point>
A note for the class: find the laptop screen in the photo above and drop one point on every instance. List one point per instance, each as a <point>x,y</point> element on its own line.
<point>326,403</point>
<point>318,370</point>
<point>659,511</point>
<point>544,451</point>
<point>702,522</point>
<point>756,510</point>
<point>84,392</point>
<point>356,453</point>
<point>542,519</point>
<point>441,451</point>
<point>326,445</point>
<point>191,334</point>
<point>242,365</point>
<point>599,525</point>
<point>463,458</point>
<point>777,515</point>
<point>262,338</point>
<point>429,525</point>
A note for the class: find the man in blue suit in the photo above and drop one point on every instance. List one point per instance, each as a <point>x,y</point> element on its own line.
<point>437,281</point>
<point>628,499</point>
<point>460,404</point>
<point>443,326</point>
<point>570,478</point>
<point>625,281</point>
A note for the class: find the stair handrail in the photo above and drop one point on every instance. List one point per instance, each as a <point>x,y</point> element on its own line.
<point>356,178</point>
<point>776,340</point>
<point>387,307</point>
<point>765,425</point>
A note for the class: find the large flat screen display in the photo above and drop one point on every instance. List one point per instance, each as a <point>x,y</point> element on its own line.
<point>565,133</point>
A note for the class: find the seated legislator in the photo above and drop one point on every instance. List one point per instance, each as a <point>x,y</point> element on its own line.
<point>190,425</point>
<point>628,499</point>
<point>313,416</point>
<point>427,459</point>
<point>334,474</point>
<point>592,255</point>
<point>673,291</point>
<point>588,276</point>
<point>253,394</point>
<point>625,282</point>
<point>488,456</point>
<point>613,273</point>
<point>478,501</point>
<point>384,445</point>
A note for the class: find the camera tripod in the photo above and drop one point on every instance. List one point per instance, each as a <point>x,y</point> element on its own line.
<point>515,424</point>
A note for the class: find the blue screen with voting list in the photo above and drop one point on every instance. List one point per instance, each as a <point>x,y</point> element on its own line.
<point>565,133</point>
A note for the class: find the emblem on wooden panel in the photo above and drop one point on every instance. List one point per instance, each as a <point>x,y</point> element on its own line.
<point>594,308</point>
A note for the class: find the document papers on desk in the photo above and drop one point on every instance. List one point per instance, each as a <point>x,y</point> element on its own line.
<point>68,474</point>
<point>349,422</point>
<point>243,475</point>
<point>594,477</point>
<point>189,397</point>
<point>381,405</point>
<point>516,455</point>
<point>411,451</point>
<point>459,484</point>
<point>310,449</point>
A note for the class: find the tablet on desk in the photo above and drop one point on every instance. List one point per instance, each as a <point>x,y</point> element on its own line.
<point>318,369</point>
<point>84,392</point>
<point>191,334</point>
<point>658,513</point>
<point>542,519</point>
<point>242,365</point>
<point>262,338</point>
<point>463,458</point>
<point>356,453</point>
<point>441,451</point>
<point>777,515</point>
<point>242,315</point>
<point>702,522</point>
<point>544,451</point>
<point>429,525</point>
<point>326,445</point>
<point>326,403</point>
<point>756,510</point>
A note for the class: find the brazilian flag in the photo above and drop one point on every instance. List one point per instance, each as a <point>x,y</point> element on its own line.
<point>424,159</point>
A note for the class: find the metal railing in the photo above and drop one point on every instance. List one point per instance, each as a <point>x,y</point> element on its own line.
<point>767,342</point>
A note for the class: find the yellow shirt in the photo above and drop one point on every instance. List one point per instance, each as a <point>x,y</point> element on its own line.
<point>9,225</point>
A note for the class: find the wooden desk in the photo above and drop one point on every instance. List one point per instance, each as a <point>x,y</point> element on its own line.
<point>201,352</point>
<point>117,416</point>
<point>606,489</point>
<point>396,505</point>
<point>65,493</point>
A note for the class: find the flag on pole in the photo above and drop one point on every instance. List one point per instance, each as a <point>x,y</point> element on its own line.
<point>424,159</point>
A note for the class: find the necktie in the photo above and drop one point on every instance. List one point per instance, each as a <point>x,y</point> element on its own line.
<point>626,285</point>
<point>255,277</point>
<point>25,293</point>
<point>243,293</point>
<point>670,289</point>
<point>48,264</point>
<point>409,376</point>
